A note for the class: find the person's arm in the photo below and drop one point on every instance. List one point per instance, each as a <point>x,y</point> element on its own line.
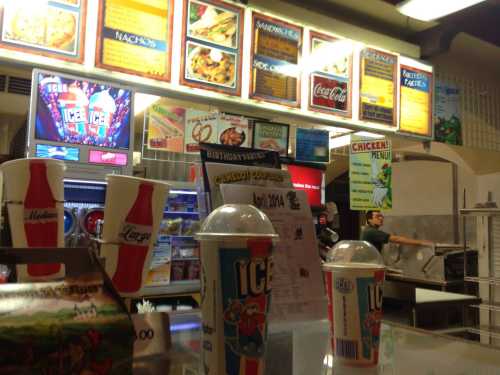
<point>409,241</point>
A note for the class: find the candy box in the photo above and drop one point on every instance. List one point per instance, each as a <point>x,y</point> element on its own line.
<point>78,325</point>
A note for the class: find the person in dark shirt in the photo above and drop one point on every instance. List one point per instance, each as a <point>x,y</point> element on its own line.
<point>378,238</point>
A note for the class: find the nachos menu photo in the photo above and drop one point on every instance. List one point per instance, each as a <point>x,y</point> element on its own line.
<point>53,29</point>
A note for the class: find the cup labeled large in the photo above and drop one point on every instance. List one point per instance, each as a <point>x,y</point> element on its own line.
<point>236,256</point>
<point>354,278</point>
<point>132,215</point>
<point>34,194</point>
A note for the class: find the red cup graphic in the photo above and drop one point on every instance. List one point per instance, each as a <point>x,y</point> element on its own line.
<point>34,194</point>
<point>130,229</point>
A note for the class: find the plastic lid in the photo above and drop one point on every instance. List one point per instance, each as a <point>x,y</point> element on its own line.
<point>359,252</point>
<point>240,220</point>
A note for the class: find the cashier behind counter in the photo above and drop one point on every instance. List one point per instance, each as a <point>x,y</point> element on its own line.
<point>378,238</point>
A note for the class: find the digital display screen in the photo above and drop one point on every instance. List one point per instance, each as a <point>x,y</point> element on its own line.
<point>82,112</point>
<point>105,157</point>
<point>57,152</point>
<point>308,179</point>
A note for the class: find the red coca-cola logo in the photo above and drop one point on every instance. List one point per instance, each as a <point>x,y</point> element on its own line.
<point>135,234</point>
<point>329,93</point>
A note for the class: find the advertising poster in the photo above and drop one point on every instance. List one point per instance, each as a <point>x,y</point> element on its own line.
<point>330,78</point>
<point>134,37</point>
<point>271,136</point>
<point>378,87</point>
<point>213,35</point>
<point>77,111</point>
<point>447,122</point>
<point>370,174</point>
<point>201,127</point>
<point>276,49</point>
<point>297,286</point>
<point>312,145</point>
<point>165,127</point>
<point>56,29</point>
<point>218,174</point>
<point>416,102</point>
<point>233,130</point>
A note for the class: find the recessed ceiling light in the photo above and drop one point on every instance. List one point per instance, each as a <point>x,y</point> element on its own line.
<point>429,10</point>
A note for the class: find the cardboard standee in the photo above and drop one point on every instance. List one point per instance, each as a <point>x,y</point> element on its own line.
<point>79,323</point>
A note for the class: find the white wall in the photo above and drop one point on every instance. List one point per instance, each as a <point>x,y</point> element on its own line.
<point>422,188</point>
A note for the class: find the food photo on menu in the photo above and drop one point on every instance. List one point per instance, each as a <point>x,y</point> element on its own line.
<point>233,130</point>
<point>213,24</point>
<point>53,27</point>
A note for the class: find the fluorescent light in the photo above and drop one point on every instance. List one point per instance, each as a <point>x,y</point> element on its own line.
<point>429,10</point>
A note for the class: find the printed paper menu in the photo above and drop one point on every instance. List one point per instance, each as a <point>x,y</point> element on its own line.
<point>378,86</point>
<point>416,102</point>
<point>134,37</point>
<point>275,74</point>
<point>55,29</point>
<point>330,79</point>
<point>212,40</point>
<point>297,289</point>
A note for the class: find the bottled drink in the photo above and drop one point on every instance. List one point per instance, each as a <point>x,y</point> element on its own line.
<point>135,237</point>
<point>40,217</point>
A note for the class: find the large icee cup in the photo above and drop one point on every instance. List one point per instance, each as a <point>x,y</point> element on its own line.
<point>34,194</point>
<point>236,257</point>
<point>354,276</point>
<point>132,214</point>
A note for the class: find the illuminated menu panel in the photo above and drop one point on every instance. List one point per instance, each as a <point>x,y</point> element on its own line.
<point>275,71</point>
<point>330,67</point>
<point>49,28</point>
<point>378,87</point>
<point>57,152</point>
<point>135,37</point>
<point>416,101</point>
<point>213,37</point>
<point>106,157</point>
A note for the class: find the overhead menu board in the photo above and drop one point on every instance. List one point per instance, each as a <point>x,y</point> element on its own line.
<point>378,87</point>
<point>134,36</point>
<point>48,28</point>
<point>275,71</point>
<point>416,101</point>
<point>213,38</point>
<point>330,79</point>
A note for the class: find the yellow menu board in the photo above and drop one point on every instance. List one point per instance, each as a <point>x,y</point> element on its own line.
<point>135,37</point>
<point>416,102</point>
<point>378,86</point>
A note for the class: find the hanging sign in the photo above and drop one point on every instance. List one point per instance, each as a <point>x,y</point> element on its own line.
<point>378,87</point>
<point>416,102</point>
<point>275,72</point>
<point>447,122</point>
<point>312,145</point>
<point>165,127</point>
<point>48,28</point>
<point>212,41</point>
<point>271,136</point>
<point>134,37</point>
<point>370,174</point>
<point>330,63</point>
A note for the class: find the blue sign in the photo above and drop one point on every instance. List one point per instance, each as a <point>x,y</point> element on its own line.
<point>312,145</point>
<point>57,152</point>
<point>415,80</point>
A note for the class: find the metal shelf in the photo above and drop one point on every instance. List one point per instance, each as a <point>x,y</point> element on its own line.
<point>486,307</point>
<point>483,280</point>
<point>480,211</point>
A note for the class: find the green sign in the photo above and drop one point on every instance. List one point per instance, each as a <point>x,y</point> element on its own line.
<point>370,174</point>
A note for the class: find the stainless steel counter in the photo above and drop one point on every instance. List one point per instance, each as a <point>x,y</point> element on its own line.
<point>303,349</point>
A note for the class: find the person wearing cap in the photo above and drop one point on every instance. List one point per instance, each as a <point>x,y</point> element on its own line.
<point>378,238</point>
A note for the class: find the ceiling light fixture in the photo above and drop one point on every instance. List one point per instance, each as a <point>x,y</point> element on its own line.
<point>429,10</point>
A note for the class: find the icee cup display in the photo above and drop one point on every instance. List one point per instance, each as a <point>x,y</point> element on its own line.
<point>34,195</point>
<point>132,214</point>
<point>237,242</point>
<point>354,276</point>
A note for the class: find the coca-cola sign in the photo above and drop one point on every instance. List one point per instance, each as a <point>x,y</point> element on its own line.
<point>329,93</point>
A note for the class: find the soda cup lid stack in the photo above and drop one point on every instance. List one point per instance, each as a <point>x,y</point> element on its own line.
<point>359,253</point>
<point>236,220</point>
